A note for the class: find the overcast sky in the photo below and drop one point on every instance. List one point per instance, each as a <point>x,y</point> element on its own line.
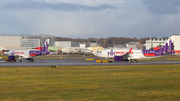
<point>91,18</point>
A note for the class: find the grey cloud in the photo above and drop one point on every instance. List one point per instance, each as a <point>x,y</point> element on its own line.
<point>163,6</point>
<point>55,6</point>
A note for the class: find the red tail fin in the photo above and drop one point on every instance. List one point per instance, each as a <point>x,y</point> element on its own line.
<point>58,51</point>
<point>3,51</point>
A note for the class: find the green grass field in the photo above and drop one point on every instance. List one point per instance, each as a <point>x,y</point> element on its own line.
<point>138,82</point>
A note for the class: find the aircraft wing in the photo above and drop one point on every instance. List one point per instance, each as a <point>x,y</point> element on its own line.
<point>125,56</point>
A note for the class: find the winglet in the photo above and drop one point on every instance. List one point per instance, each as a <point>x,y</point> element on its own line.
<point>130,50</point>
<point>58,51</point>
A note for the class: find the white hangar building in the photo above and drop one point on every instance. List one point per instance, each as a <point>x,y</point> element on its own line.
<point>9,42</point>
<point>176,41</point>
<point>154,43</point>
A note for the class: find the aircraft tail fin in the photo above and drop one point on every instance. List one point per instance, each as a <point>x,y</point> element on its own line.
<point>3,51</point>
<point>44,49</point>
<point>167,49</point>
<point>168,46</point>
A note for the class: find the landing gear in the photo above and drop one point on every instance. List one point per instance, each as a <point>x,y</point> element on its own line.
<point>32,59</point>
<point>135,61</point>
<point>20,60</point>
<point>132,61</point>
<point>14,60</point>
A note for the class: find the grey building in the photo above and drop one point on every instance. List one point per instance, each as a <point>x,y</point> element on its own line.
<point>134,45</point>
<point>37,40</point>
<point>30,43</point>
<point>64,44</point>
<point>75,44</point>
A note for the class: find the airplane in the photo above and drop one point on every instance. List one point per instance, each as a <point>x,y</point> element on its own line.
<point>28,54</point>
<point>131,55</point>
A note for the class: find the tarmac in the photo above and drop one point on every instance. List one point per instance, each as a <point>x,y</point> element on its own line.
<point>76,62</point>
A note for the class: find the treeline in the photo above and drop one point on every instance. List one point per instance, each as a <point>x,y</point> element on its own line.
<point>107,42</point>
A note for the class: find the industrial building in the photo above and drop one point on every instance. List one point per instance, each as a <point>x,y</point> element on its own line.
<point>8,42</point>
<point>64,44</point>
<point>93,43</point>
<point>38,40</point>
<point>30,43</point>
<point>134,45</point>
<point>176,42</point>
<point>155,43</point>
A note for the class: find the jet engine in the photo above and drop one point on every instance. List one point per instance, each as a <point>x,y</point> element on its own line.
<point>12,58</point>
<point>120,58</point>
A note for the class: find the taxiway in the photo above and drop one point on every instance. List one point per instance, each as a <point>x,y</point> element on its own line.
<point>75,62</point>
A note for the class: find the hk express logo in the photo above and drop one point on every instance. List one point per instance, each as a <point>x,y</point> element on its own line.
<point>112,53</point>
<point>12,52</point>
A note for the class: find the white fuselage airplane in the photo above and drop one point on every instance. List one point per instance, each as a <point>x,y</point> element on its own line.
<point>129,55</point>
<point>28,54</point>
<point>110,53</point>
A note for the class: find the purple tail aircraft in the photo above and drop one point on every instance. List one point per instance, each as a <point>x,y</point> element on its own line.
<point>28,54</point>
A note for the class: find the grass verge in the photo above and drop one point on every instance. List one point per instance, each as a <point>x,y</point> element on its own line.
<point>148,82</point>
